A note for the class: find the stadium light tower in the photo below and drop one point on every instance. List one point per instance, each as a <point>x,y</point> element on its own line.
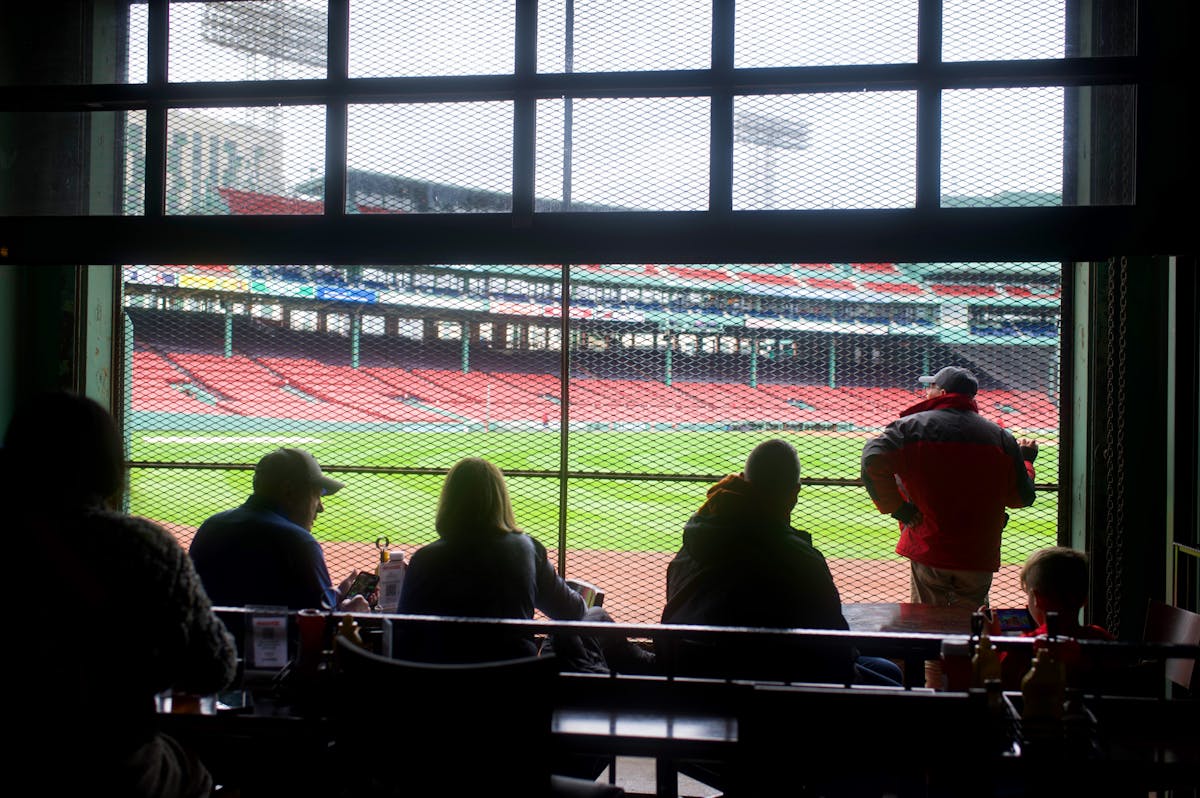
<point>279,31</point>
<point>770,134</point>
<point>276,30</point>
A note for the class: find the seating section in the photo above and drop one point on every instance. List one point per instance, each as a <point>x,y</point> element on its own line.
<point>634,401</point>
<point>892,288</point>
<point>244,203</point>
<point>158,386</point>
<point>358,392</point>
<point>307,389</point>
<point>245,388</point>
<point>964,289</point>
<point>1022,409</point>
<point>739,402</point>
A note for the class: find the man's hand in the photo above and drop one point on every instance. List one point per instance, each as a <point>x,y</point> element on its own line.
<point>907,514</point>
<point>1029,449</point>
<point>355,603</point>
<point>344,587</point>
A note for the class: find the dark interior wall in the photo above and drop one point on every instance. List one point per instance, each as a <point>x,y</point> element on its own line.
<point>1128,496</point>
<point>45,170</point>
<point>43,156</point>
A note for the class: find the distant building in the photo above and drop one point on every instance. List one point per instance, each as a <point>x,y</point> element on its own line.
<point>205,154</point>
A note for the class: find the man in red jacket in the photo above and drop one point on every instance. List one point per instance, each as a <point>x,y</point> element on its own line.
<point>946,474</point>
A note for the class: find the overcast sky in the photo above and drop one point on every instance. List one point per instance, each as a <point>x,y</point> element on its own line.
<point>858,148</point>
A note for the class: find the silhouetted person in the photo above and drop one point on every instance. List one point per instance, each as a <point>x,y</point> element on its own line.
<point>1055,579</point>
<point>946,473</point>
<point>264,552</point>
<point>742,564</point>
<point>483,566</point>
<point>128,616</point>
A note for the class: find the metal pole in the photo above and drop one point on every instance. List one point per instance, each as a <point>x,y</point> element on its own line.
<point>832,362</point>
<point>667,365</point>
<point>465,335</point>
<point>564,413</point>
<point>568,104</point>
<point>753,362</point>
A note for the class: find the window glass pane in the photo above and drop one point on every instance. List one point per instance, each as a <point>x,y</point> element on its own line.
<point>136,51</point>
<point>73,44</point>
<point>247,40</point>
<point>430,158</point>
<point>441,374</point>
<point>780,33</point>
<point>978,30</point>
<point>1002,147</point>
<point>248,160</point>
<point>623,154</point>
<point>134,187</point>
<point>625,36</point>
<point>843,150</point>
<point>431,37</point>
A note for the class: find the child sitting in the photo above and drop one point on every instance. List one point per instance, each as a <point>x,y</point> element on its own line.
<point>1054,580</point>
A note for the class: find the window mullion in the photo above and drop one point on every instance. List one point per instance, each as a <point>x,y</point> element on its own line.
<point>720,180</point>
<point>336,109</point>
<point>929,104</point>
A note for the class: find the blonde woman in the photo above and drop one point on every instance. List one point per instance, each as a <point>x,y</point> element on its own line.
<point>483,566</point>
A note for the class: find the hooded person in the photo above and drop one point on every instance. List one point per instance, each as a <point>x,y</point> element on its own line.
<point>742,564</point>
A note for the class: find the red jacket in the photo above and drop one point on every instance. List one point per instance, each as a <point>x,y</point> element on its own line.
<point>960,470</point>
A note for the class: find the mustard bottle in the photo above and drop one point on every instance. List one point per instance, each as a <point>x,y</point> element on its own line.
<point>1043,689</point>
<point>349,630</point>
<point>985,666</point>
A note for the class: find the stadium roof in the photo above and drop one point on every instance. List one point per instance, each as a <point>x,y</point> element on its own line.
<point>424,196</point>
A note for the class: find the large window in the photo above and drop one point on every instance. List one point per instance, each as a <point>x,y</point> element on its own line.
<point>609,445</point>
<point>610,246</point>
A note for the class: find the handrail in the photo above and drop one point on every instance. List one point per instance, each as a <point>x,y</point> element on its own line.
<point>820,638</point>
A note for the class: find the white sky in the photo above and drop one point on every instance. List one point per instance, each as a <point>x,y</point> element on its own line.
<point>653,153</point>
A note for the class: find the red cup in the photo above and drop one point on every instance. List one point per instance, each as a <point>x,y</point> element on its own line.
<point>956,665</point>
<point>312,636</point>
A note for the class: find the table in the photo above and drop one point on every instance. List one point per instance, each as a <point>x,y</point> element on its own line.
<point>234,744</point>
<point>909,618</point>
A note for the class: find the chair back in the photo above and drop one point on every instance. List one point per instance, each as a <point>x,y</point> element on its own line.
<point>447,729</point>
<point>1167,624</point>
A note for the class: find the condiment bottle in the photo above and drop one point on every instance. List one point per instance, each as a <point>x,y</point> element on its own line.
<point>391,570</point>
<point>985,666</point>
<point>1043,688</point>
<point>349,630</point>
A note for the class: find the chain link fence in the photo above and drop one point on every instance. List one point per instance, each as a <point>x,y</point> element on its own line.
<point>671,374</point>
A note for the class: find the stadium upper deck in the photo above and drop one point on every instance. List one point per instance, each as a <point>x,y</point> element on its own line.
<point>1009,304</point>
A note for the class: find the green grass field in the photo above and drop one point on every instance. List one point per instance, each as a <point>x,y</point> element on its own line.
<point>619,515</point>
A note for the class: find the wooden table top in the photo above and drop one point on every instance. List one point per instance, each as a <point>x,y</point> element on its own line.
<point>905,617</point>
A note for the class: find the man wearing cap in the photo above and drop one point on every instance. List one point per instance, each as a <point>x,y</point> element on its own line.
<point>946,474</point>
<point>263,552</point>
